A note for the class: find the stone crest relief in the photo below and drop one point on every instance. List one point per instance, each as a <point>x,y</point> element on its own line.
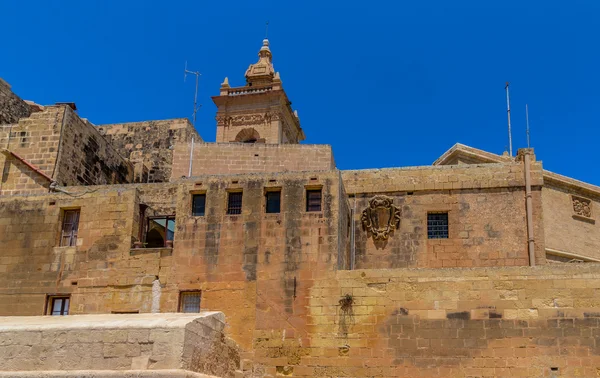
<point>381,218</point>
<point>582,207</point>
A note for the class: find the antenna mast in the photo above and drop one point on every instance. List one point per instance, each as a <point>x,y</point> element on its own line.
<point>508,112</point>
<point>527,119</point>
<point>196,106</point>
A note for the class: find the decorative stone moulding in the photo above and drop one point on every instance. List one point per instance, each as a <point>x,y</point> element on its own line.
<point>381,218</point>
<point>582,207</point>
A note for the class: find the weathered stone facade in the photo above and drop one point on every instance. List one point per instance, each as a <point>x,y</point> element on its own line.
<point>457,269</point>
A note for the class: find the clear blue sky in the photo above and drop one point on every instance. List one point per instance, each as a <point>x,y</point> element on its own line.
<point>385,83</point>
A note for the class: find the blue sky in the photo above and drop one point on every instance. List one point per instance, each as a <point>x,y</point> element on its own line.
<point>385,83</point>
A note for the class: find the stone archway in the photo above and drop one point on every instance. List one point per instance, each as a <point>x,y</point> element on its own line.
<point>248,135</point>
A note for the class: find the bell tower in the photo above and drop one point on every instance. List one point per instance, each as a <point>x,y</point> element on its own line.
<point>260,111</point>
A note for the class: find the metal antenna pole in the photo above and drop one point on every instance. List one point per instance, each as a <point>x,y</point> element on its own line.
<point>527,119</point>
<point>196,106</point>
<point>509,130</point>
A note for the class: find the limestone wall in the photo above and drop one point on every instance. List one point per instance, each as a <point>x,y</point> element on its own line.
<point>32,262</point>
<point>566,231</point>
<point>11,106</point>
<point>150,144</point>
<point>193,343</point>
<point>461,322</point>
<point>235,158</point>
<point>486,215</point>
<point>63,147</point>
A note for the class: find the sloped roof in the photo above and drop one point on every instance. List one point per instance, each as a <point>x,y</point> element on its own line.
<point>470,155</point>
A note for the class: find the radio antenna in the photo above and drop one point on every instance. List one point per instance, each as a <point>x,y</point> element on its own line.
<point>508,112</point>
<point>527,120</point>
<point>196,106</point>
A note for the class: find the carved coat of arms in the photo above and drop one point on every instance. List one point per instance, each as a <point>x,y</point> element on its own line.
<point>381,218</point>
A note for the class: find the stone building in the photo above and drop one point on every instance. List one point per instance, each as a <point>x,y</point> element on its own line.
<point>478,265</point>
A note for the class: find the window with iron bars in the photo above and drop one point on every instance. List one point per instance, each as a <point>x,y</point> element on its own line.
<point>234,203</point>
<point>189,301</point>
<point>313,200</point>
<point>437,226</point>
<point>70,226</point>
<point>273,201</point>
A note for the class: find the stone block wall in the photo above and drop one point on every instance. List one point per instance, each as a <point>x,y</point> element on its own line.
<point>63,147</point>
<point>86,158</point>
<point>569,229</point>
<point>96,343</point>
<point>151,143</point>
<point>460,322</point>
<point>237,158</point>
<point>34,265</point>
<point>35,139</point>
<point>11,106</point>
<point>486,216</point>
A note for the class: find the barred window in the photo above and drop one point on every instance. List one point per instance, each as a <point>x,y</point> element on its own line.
<point>437,226</point>
<point>70,226</point>
<point>198,205</point>
<point>273,201</point>
<point>234,203</point>
<point>313,200</point>
<point>189,301</point>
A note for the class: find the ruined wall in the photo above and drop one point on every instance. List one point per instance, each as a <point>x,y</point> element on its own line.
<point>11,106</point>
<point>486,216</point>
<point>461,322</point>
<point>86,158</point>
<point>96,343</point>
<point>233,158</point>
<point>566,229</point>
<point>150,144</point>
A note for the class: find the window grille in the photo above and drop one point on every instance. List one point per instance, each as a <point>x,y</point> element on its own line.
<point>234,204</point>
<point>313,200</point>
<point>190,301</point>
<point>437,226</point>
<point>273,200</point>
<point>59,306</point>
<point>70,225</point>
<point>198,205</point>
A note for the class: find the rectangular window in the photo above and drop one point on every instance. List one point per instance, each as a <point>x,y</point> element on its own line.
<point>58,305</point>
<point>313,200</point>
<point>70,225</point>
<point>189,301</point>
<point>198,205</point>
<point>437,226</point>
<point>234,203</point>
<point>273,201</point>
<point>160,232</point>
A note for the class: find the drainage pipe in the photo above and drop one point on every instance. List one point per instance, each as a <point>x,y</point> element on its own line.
<point>529,206</point>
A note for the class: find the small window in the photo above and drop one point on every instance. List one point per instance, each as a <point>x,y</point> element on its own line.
<point>189,301</point>
<point>58,305</point>
<point>437,226</point>
<point>70,225</point>
<point>234,203</point>
<point>198,205</point>
<point>313,200</point>
<point>273,201</point>
<point>160,232</point>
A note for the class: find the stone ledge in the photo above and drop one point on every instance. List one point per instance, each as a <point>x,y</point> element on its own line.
<point>105,374</point>
<point>103,321</point>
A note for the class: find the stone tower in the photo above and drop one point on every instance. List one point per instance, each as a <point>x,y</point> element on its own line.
<point>260,111</point>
